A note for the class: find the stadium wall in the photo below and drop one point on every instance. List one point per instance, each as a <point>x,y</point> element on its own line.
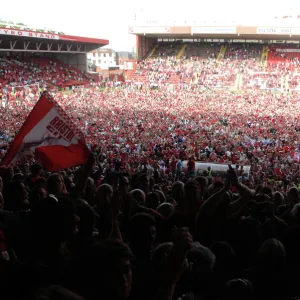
<point>77,61</point>
<point>143,45</point>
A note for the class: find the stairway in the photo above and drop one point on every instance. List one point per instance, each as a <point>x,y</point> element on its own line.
<point>221,54</point>
<point>152,52</point>
<point>181,51</point>
<point>264,57</point>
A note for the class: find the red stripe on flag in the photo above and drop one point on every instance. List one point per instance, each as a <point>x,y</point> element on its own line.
<point>59,157</point>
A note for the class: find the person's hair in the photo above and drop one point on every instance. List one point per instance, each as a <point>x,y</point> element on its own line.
<point>6,174</point>
<point>11,195</point>
<point>153,200</point>
<point>162,197</point>
<point>152,182</point>
<point>225,256</point>
<point>41,182</point>
<point>237,289</point>
<point>63,173</point>
<point>142,177</point>
<point>278,198</point>
<point>138,225</point>
<point>102,189</point>
<point>141,220</point>
<point>178,185</point>
<point>156,187</point>
<point>138,196</point>
<point>166,209</point>
<point>111,250</point>
<point>202,257</point>
<point>296,215</point>
<point>258,188</point>
<point>217,185</point>
<point>57,293</point>
<point>52,182</point>
<point>159,254</point>
<point>35,196</point>
<point>35,169</point>
<point>67,183</point>
<point>110,178</point>
<point>294,193</point>
<point>267,191</point>
<point>272,256</point>
<point>202,180</point>
<point>18,177</point>
<point>191,184</point>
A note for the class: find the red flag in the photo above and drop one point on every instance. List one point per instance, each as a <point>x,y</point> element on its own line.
<point>49,135</point>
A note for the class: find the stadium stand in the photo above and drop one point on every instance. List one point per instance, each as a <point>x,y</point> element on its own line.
<point>40,70</point>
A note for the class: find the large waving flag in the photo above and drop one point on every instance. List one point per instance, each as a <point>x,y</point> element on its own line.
<point>49,136</point>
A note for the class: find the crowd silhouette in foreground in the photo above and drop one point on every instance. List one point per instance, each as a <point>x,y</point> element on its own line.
<point>87,234</point>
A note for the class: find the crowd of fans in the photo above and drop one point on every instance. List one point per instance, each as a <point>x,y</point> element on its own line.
<point>156,127</point>
<point>15,71</point>
<point>239,67</point>
<point>138,220</point>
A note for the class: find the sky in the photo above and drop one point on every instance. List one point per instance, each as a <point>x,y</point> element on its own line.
<point>111,19</point>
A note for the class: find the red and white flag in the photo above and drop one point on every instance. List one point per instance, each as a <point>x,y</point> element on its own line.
<point>49,136</point>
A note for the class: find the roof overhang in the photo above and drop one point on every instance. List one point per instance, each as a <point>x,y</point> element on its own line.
<point>29,41</point>
<point>223,36</point>
<point>217,32</point>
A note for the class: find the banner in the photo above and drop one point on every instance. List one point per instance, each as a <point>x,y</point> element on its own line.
<point>149,29</point>
<point>216,168</point>
<point>49,136</point>
<point>288,50</point>
<point>278,30</point>
<point>217,30</point>
<point>25,33</point>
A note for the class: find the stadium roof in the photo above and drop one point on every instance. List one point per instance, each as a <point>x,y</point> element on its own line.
<point>217,30</point>
<point>38,41</point>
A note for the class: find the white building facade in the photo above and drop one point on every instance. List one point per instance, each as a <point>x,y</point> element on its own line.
<point>102,58</point>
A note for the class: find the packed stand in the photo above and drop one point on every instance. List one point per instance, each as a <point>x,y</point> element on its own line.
<point>42,71</point>
<point>198,65</point>
<point>240,67</point>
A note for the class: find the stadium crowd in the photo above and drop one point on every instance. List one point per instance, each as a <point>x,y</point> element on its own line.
<point>138,221</point>
<point>45,72</point>
<point>161,126</point>
<point>205,65</point>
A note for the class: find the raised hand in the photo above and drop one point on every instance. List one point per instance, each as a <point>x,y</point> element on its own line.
<point>176,263</point>
<point>233,177</point>
<point>227,181</point>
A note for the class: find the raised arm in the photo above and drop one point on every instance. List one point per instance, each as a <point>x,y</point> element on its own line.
<point>83,178</point>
